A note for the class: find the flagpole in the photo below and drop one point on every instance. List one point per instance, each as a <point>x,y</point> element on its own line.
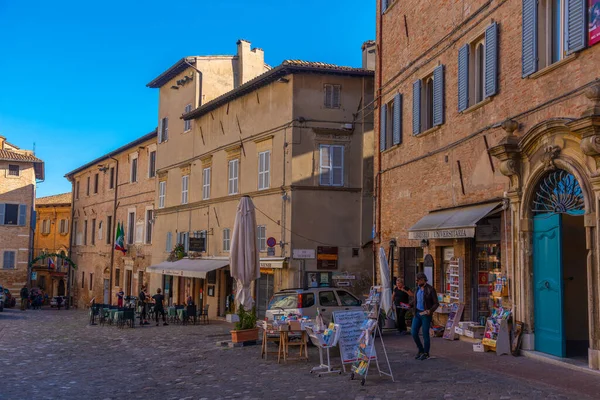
<point>112,241</point>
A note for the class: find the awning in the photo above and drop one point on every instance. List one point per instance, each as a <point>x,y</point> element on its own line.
<point>189,268</point>
<point>453,223</point>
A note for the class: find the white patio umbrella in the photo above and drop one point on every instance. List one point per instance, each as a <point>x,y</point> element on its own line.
<point>386,294</point>
<point>244,257</point>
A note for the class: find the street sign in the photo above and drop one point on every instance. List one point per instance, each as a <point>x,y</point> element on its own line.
<point>271,252</point>
<point>303,254</point>
<point>197,244</point>
<point>271,242</point>
<point>327,257</point>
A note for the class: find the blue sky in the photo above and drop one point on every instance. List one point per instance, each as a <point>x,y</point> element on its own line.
<point>73,73</point>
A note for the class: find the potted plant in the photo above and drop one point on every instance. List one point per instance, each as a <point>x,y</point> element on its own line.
<point>245,329</point>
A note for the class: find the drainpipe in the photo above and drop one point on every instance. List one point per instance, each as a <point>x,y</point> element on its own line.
<point>112,250</point>
<point>378,180</point>
<point>72,238</point>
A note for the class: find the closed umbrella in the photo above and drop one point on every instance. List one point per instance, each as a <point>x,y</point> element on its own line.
<point>386,294</point>
<point>244,258</point>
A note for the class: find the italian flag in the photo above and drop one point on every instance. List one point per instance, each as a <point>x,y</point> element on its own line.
<point>120,239</point>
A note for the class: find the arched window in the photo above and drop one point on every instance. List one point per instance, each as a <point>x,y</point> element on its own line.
<point>558,192</point>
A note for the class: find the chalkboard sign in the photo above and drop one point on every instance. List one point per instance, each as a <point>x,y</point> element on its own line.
<point>350,322</point>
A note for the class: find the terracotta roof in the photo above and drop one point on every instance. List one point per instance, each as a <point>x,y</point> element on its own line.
<point>7,155</point>
<point>63,198</point>
<point>285,68</point>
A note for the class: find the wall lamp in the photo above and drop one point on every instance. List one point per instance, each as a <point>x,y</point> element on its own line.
<point>102,168</point>
<point>424,243</point>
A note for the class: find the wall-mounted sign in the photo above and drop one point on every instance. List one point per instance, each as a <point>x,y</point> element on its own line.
<point>303,254</point>
<point>327,257</point>
<point>443,234</point>
<point>197,244</point>
<point>271,242</point>
<point>34,276</point>
<point>271,264</point>
<point>342,275</point>
<point>271,251</point>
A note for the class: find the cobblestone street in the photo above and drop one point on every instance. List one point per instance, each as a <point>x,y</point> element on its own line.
<point>53,354</point>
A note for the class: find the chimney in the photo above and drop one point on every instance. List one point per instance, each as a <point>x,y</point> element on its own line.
<point>251,62</point>
<point>2,140</point>
<point>368,55</point>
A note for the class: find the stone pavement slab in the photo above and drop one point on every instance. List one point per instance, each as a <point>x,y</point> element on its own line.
<point>51,354</point>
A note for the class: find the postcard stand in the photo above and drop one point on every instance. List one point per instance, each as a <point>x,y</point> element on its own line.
<point>324,346</point>
<point>365,351</point>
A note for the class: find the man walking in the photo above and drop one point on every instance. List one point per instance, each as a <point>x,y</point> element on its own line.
<point>425,303</point>
<point>158,306</point>
<point>142,304</point>
<point>401,300</point>
<point>24,297</point>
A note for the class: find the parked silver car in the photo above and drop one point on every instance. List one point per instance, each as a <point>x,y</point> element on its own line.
<point>306,301</point>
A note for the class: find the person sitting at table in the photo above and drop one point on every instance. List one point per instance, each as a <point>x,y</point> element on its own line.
<point>159,307</point>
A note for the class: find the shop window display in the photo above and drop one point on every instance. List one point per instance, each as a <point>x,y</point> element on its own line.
<point>491,281</point>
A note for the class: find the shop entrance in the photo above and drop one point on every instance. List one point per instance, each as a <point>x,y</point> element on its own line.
<point>560,267</point>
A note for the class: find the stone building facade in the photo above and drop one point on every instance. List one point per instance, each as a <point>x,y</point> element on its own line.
<point>491,158</point>
<point>116,188</point>
<point>19,172</point>
<point>52,236</point>
<point>268,138</point>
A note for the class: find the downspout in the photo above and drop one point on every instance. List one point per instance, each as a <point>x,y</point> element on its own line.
<point>72,238</point>
<point>112,250</point>
<point>378,180</point>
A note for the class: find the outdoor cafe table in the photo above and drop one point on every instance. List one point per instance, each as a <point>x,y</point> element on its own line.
<point>182,314</point>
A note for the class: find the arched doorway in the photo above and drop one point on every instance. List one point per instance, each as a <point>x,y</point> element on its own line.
<point>61,287</point>
<point>560,266</point>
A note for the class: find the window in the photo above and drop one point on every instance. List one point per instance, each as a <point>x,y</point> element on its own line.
<point>149,214</point>
<point>384,5</point>
<point>45,227</point>
<point>264,166</point>
<point>134,165</point>
<point>87,189</point>
<point>183,238</point>
<point>131,227</point>
<point>13,170</point>
<point>327,299</point>
<point>77,190</point>
<point>226,239</point>
<point>261,237</point>
<point>347,299</point>
<point>185,181</point>
<point>140,280</point>
<point>100,230</point>
<point>77,234</point>
<point>9,260</point>
<point>117,277</point>
<point>91,280</point>
<point>109,233</point>
<point>478,69</point>
<point>187,124</point>
<point>152,164</point>
<point>233,176</point>
<point>93,231</point>
<point>169,242</point>
<point>111,183</point>
<point>428,101</point>
<point>331,165</point>
<point>206,184</point>
<point>163,130</point>
<point>96,184</point>
<point>390,129</point>
<point>82,279</point>
<point>162,190</point>
<point>13,214</point>
<point>64,226</point>
<point>552,29</point>
<point>332,96</point>
<point>85,232</point>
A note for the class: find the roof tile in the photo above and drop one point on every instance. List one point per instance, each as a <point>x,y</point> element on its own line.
<point>7,155</point>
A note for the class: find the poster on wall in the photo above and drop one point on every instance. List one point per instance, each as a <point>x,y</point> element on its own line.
<point>594,22</point>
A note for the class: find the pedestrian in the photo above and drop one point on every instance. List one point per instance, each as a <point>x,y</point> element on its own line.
<point>59,301</point>
<point>120,294</point>
<point>158,306</point>
<point>401,300</point>
<point>143,306</point>
<point>24,297</point>
<point>425,303</point>
<point>190,300</point>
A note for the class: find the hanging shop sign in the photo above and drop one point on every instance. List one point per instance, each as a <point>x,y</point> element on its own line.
<point>327,257</point>
<point>275,263</point>
<point>488,230</point>
<point>443,234</point>
<point>303,254</point>
<point>197,244</point>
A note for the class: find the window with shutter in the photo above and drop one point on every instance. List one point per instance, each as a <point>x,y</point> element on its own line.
<point>109,230</point>
<point>226,239</point>
<point>96,183</point>
<point>131,228</point>
<point>134,168</point>
<point>233,176</point>
<point>85,232</point>
<point>13,170</point>
<point>100,230</point>
<point>438,96</point>
<point>77,190</point>
<point>261,237</point>
<point>463,78</point>
<point>491,60</point>
<point>87,189</point>
<point>206,183</point>
<point>163,130</point>
<point>187,124</point>
<point>169,242</point>
<point>162,191</point>
<point>382,127</point>
<point>397,120</point>
<point>9,260</point>
<point>384,5</point>
<point>576,26</point>
<point>264,161</point>
<point>332,95</point>
<point>93,232</point>
<point>529,37</point>
<point>111,182</point>
<point>325,166</point>
<point>152,164</point>
<point>417,107</point>
<point>149,224</point>
<point>185,180</point>
<point>331,159</point>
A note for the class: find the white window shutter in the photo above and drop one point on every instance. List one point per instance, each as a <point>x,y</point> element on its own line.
<point>267,169</point>
<point>337,164</point>
<point>159,131</point>
<point>166,129</point>
<point>325,165</point>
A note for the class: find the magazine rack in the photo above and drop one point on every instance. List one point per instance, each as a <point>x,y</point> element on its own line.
<point>318,340</point>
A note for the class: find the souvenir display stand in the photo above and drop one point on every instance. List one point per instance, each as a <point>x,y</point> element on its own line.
<point>365,351</point>
<point>324,341</point>
<point>456,311</point>
<point>497,334</point>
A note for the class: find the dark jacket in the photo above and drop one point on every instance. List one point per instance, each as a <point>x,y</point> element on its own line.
<point>431,299</point>
<point>24,293</point>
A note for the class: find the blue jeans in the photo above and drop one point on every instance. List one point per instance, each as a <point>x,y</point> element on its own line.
<point>418,322</point>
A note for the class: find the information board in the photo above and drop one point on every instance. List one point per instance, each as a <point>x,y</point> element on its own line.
<point>350,322</point>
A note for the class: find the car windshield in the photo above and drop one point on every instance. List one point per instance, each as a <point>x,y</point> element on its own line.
<point>285,300</point>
